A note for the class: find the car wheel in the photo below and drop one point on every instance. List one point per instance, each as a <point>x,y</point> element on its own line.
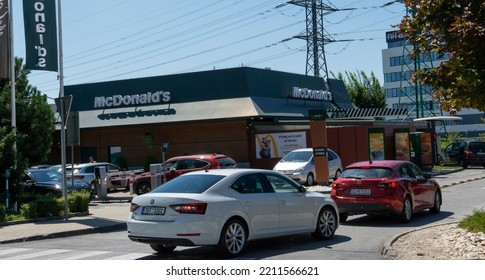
<point>310,179</point>
<point>343,217</point>
<point>233,238</point>
<point>441,161</point>
<point>142,188</point>
<point>163,248</point>
<point>326,224</point>
<point>437,203</point>
<point>407,211</point>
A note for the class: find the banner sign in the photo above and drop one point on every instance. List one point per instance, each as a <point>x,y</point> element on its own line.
<point>376,144</point>
<point>4,41</point>
<point>277,145</point>
<point>40,34</point>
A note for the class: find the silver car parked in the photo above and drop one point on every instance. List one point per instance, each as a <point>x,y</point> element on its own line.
<point>300,166</point>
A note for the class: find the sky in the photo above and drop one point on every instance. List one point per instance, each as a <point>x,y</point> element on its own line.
<point>112,40</point>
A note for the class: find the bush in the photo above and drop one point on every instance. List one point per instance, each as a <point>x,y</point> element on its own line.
<point>77,201</point>
<point>2,213</point>
<point>41,206</point>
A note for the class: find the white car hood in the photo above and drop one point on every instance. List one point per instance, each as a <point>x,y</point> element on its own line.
<point>289,165</point>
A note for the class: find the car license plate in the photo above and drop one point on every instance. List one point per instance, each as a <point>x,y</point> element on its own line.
<point>360,192</point>
<point>150,210</point>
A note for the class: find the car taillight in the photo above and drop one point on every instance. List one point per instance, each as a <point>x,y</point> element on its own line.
<point>190,208</point>
<point>387,184</point>
<point>133,207</point>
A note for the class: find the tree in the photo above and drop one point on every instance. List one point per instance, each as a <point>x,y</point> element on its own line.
<point>34,123</point>
<point>456,28</point>
<point>34,116</point>
<point>364,91</point>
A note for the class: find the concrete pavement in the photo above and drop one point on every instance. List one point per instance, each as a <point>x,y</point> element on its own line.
<point>103,216</point>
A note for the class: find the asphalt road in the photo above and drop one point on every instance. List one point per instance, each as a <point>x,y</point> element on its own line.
<point>360,238</point>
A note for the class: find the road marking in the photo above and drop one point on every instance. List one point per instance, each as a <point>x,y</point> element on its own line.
<point>86,255</point>
<point>38,254</point>
<point>13,251</point>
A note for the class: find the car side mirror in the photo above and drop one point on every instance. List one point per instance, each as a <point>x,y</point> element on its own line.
<point>29,182</point>
<point>302,189</point>
<point>428,175</point>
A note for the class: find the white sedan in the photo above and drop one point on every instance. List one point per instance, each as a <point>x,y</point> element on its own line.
<point>226,208</point>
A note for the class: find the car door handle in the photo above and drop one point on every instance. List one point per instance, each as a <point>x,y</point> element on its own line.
<point>247,203</point>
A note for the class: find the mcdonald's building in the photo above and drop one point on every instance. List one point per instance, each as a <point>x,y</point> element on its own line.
<point>255,116</point>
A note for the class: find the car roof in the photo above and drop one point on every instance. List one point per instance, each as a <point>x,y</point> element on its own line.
<point>306,150</point>
<point>229,171</point>
<point>378,163</point>
<point>198,156</point>
<point>80,165</point>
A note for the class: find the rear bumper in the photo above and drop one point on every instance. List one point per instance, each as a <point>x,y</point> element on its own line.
<point>162,241</point>
<point>369,208</point>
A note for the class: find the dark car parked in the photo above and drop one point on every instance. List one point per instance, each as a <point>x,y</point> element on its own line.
<point>49,182</point>
<point>464,153</point>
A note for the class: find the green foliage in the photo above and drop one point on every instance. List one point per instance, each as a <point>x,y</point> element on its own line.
<point>42,206</point>
<point>2,213</point>
<point>34,123</point>
<point>451,136</point>
<point>475,222</point>
<point>76,201</point>
<point>456,28</point>
<point>149,160</point>
<point>364,91</point>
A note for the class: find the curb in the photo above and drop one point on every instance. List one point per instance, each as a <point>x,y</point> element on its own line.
<point>388,252</point>
<point>102,229</point>
<point>43,219</point>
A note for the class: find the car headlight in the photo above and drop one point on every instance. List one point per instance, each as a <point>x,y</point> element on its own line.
<point>57,186</point>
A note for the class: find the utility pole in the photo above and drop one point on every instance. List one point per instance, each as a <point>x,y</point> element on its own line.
<point>315,36</point>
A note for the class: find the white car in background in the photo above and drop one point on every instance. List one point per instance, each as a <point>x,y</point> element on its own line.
<point>226,208</point>
<point>300,166</point>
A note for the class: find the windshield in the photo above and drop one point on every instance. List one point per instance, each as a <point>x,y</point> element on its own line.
<point>303,156</point>
<point>46,176</point>
<point>189,184</point>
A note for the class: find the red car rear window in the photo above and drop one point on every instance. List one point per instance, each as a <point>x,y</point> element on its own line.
<point>374,172</point>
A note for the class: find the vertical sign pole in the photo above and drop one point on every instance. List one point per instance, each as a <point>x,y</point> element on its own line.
<point>62,111</point>
<point>12,87</point>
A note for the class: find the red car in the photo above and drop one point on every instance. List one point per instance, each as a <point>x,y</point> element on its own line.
<point>389,187</point>
<point>177,166</point>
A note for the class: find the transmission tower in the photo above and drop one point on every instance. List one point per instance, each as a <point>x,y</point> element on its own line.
<point>315,36</point>
<point>414,96</point>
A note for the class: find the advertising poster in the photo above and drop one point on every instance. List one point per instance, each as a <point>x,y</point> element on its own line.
<point>276,145</point>
<point>426,149</point>
<point>402,145</point>
<point>376,144</point>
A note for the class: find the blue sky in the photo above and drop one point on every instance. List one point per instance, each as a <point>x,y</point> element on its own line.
<point>122,39</point>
